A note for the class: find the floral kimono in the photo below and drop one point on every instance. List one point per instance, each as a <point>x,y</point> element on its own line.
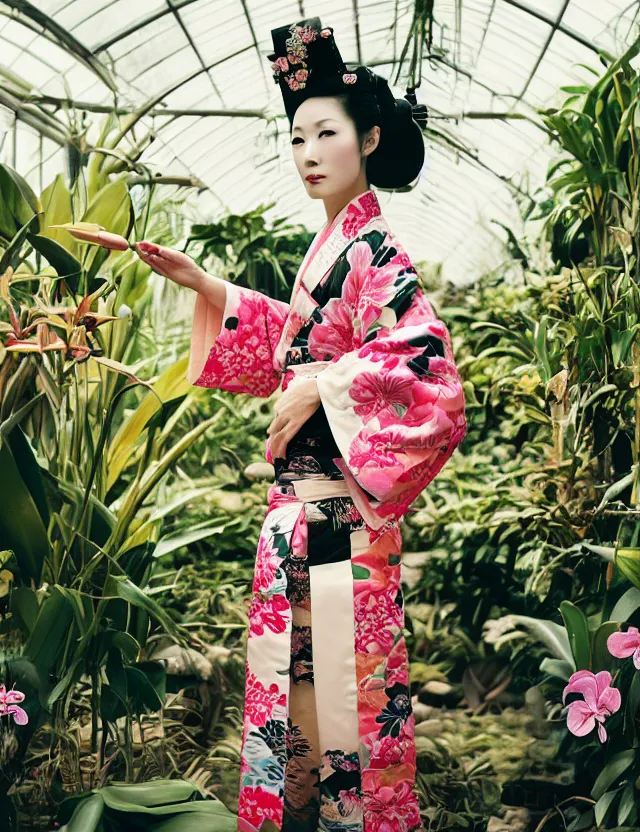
<point>328,737</point>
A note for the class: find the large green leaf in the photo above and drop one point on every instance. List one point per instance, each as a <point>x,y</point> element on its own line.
<point>88,816</point>
<point>628,561</point>
<point>170,385</point>
<point>121,585</point>
<point>56,204</point>
<point>158,805</point>
<point>21,526</point>
<point>616,766</point>
<point>171,543</point>
<point>578,633</point>
<point>552,635</point>
<point>626,605</point>
<point>49,633</point>
<point>19,203</point>
<point>64,263</point>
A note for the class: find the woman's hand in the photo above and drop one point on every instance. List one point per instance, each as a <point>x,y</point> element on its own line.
<point>298,402</point>
<point>175,265</point>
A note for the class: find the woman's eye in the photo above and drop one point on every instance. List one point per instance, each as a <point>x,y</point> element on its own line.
<point>297,140</point>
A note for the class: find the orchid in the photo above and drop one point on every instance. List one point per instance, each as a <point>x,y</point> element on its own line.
<point>77,321</point>
<point>623,645</point>
<point>8,698</point>
<point>600,701</point>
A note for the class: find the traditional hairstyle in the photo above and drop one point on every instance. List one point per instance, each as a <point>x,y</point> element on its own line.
<point>306,63</point>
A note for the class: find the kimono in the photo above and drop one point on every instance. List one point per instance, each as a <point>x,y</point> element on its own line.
<point>328,730</point>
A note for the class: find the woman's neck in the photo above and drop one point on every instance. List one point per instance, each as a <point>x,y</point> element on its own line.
<point>335,203</point>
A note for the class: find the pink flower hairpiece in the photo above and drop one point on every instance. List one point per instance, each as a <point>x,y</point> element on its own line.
<point>293,66</point>
<point>296,53</point>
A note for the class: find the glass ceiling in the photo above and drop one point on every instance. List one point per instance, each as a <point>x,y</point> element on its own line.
<point>204,65</point>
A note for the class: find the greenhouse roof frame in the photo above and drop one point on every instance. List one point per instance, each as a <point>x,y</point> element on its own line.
<point>189,61</point>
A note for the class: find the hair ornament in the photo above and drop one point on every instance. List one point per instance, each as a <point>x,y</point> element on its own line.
<point>296,45</point>
<point>349,77</point>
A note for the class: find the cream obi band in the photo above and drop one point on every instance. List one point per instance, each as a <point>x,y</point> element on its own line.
<point>311,489</point>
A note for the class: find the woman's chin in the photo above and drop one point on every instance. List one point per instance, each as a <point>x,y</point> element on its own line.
<point>318,190</point>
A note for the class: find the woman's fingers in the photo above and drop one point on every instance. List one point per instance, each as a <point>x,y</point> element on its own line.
<point>147,248</point>
<point>157,263</point>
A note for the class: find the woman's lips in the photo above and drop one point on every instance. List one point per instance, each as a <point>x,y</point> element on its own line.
<point>314,179</point>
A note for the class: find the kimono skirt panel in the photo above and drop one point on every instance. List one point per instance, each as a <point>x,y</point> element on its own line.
<point>328,737</point>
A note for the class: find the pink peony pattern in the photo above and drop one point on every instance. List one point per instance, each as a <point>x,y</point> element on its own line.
<point>363,209</point>
<point>391,809</point>
<point>377,394</point>
<point>261,701</point>
<point>269,612</point>
<point>258,804</point>
<point>241,359</point>
<point>335,334</point>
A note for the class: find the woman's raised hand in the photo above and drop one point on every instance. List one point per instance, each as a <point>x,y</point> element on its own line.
<point>170,263</point>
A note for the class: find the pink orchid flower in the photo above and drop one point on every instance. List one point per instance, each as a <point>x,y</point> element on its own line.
<point>623,645</point>
<point>600,701</point>
<point>8,698</point>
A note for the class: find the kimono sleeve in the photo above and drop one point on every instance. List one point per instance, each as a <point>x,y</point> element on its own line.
<point>393,399</point>
<point>235,350</point>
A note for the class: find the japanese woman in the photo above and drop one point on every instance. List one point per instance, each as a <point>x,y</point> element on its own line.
<point>371,409</point>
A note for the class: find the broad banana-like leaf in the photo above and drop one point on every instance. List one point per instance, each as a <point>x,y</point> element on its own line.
<point>56,204</point>
<point>578,632</point>
<point>159,806</point>
<point>49,633</point>
<point>21,526</point>
<point>121,585</point>
<point>18,203</point>
<point>170,385</point>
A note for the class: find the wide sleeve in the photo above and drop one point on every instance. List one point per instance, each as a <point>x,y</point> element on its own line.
<point>393,398</point>
<point>234,350</point>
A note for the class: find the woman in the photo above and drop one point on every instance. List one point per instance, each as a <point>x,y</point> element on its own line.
<point>372,409</point>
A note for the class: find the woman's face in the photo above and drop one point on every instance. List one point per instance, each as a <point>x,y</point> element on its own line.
<point>324,142</point>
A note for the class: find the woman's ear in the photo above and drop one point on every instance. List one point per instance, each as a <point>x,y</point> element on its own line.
<point>371,140</point>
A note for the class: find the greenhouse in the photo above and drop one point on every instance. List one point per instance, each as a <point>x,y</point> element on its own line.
<point>319,416</point>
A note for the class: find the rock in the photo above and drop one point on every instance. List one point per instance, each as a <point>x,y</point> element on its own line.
<point>228,500</point>
<point>437,688</point>
<point>422,711</point>
<point>183,661</point>
<point>514,820</point>
<point>260,471</point>
<point>429,728</point>
<point>216,652</point>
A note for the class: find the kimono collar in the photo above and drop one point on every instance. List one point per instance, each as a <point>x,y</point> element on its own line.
<point>334,237</point>
<point>328,244</point>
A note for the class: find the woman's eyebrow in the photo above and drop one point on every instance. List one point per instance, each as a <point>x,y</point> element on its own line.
<point>316,124</point>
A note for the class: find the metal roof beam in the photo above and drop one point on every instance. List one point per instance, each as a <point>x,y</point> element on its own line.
<point>139,24</point>
<point>32,18</point>
<point>554,28</point>
<point>555,24</point>
<point>176,13</point>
